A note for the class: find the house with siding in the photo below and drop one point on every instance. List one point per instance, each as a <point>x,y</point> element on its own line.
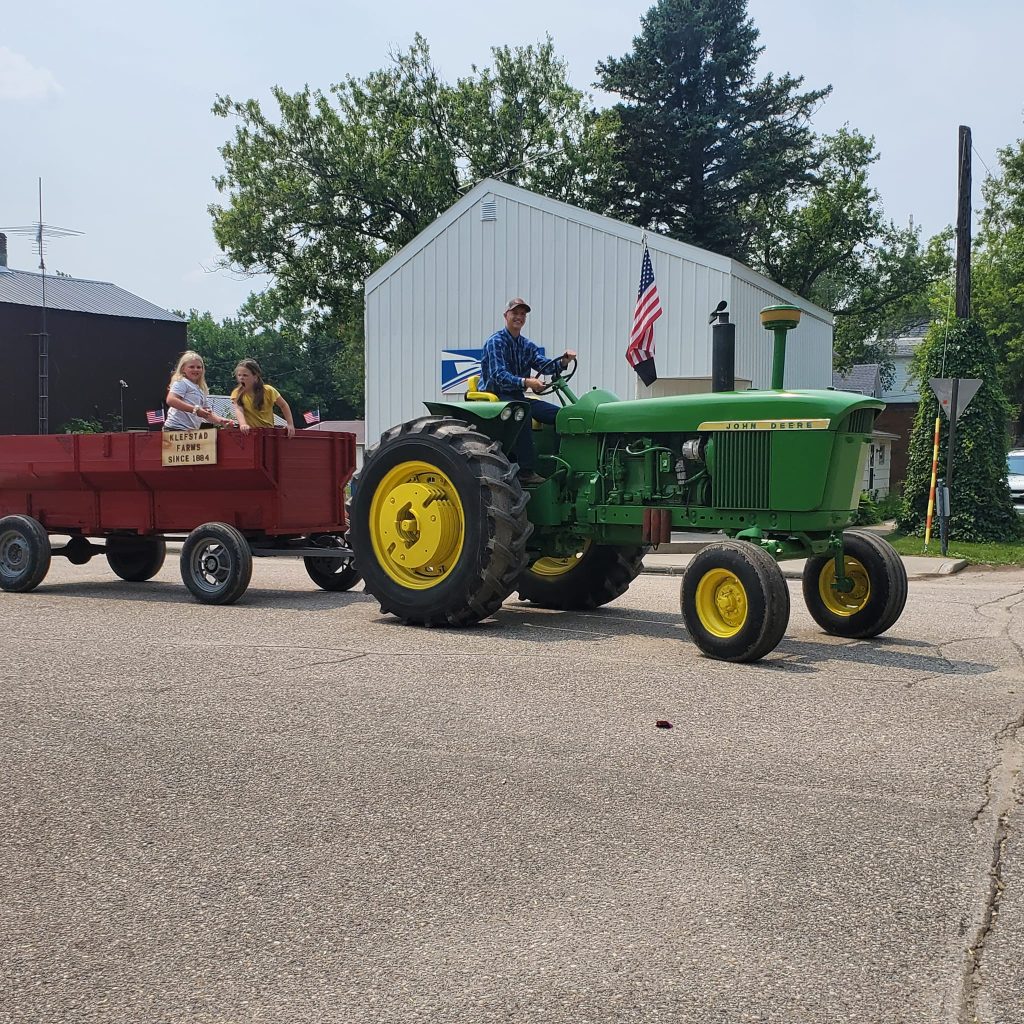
<point>866,379</point>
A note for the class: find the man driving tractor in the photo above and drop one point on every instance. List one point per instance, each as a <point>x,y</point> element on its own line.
<point>506,369</point>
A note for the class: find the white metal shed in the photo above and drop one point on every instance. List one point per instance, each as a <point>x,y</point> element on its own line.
<point>430,308</point>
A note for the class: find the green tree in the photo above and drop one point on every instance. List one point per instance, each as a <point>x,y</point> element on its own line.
<point>306,363</point>
<point>699,137</point>
<point>980,506</point>
<point>827,239</point>
<point>321,194</point>
<point>997,275</point>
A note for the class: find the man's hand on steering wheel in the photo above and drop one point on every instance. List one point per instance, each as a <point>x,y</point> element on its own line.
<point>568,358</point>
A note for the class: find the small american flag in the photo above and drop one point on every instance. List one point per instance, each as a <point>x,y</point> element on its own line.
<point>155,417</point>
<point>640,353</point>
<point>311,417</point>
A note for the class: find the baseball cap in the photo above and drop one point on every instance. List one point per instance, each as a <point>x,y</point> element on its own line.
<point>513,303</point>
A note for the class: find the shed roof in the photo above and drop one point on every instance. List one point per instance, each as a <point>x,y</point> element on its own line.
<point>618,228</point>
<point>24,288</point>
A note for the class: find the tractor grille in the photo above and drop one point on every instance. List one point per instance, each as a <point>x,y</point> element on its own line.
<point>742,469</point>
<point>860,421</point>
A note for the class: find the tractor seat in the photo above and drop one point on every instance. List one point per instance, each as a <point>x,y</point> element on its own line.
<point>472,395</point>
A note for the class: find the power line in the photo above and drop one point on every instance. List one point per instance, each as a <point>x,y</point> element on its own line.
<point>974,149</point>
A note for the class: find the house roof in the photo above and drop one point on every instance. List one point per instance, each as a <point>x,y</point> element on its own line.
<point>24,288</point>
<point>864,379</point>
<point>657,243</point>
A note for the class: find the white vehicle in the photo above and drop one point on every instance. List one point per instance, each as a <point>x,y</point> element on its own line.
<point>1015,477</point>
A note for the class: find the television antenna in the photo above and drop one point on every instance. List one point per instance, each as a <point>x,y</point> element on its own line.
<point>41,232</point>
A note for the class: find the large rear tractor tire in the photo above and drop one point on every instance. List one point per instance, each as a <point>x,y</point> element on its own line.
<point>216,563</point>
<point>136,559</point>
<point>734,601</point>
<point>596,575</point>
<point>24,553</point>
<point>439,523</point>
<point>879,587</point>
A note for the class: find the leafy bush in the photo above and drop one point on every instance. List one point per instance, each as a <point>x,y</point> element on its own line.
<point>981,509</point>
<point>868,510</point>
<point>77,425</point>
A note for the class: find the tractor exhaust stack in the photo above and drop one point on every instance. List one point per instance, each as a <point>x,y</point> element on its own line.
<point>723,350</point>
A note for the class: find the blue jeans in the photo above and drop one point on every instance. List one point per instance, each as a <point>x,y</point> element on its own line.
<point>524,448</point>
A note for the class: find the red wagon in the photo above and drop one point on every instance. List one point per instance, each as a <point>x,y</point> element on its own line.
<point>267,494</point>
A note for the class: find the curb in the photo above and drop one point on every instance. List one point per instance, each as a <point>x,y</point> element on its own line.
<point>950,566</point>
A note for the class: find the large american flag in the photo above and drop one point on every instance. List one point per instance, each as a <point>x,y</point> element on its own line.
<point>640,353</point>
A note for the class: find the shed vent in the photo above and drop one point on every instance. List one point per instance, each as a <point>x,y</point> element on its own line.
<point>489,209</point>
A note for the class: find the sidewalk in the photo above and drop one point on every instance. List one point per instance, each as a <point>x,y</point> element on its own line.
<point>672,559</point>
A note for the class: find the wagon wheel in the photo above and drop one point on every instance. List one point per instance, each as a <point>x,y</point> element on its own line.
<point>335,574</point>
<point>439,523</point>
<point>24,553</point>
<point>216,563</point>
<point>136,559</point>
<point>734,601</point>
<point>879,587</point>
<point>595,575</point>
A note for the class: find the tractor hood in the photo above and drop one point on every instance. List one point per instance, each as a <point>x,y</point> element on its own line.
<point>598,411</point>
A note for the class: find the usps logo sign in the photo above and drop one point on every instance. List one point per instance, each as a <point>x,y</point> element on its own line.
<point>457,366</point>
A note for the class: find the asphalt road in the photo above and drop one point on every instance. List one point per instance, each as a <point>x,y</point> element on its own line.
<point>295,809</point>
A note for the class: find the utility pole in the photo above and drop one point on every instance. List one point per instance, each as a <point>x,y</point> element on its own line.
<point>963,295</point>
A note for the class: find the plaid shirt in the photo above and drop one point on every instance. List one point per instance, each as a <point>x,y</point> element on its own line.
<point>507,360</point>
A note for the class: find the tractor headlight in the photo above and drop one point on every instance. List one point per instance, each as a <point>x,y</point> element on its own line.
<point>505,413</point>
<point>520,415</point>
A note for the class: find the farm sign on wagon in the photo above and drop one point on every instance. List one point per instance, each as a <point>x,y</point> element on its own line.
<point>189,448</point>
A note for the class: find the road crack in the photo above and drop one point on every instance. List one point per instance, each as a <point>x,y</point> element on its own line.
<point>1001,799</point>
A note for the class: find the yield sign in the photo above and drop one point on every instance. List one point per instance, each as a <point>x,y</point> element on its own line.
<point>943,388</point>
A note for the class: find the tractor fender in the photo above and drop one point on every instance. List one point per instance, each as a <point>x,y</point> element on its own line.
<point>490,418</point>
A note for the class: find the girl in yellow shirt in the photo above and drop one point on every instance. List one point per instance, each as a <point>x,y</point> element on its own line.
<point>254,400</point>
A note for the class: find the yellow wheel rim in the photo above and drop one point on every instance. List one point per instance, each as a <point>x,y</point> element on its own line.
<point>721,603</point>
<point>417,525</point>
<point>836,601</point>
<point>558,566</point>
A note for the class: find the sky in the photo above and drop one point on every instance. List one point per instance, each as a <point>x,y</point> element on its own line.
<point>109,103</point>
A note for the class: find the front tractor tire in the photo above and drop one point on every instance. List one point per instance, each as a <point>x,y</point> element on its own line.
<point>735,601</point>
<point>879,587</point>
<point>596,575</point>
<point>439,523</point>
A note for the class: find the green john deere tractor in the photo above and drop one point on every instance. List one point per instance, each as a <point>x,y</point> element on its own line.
<point>443,532</point>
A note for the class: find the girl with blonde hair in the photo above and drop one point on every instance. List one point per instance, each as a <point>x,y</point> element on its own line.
<point>188,397</point>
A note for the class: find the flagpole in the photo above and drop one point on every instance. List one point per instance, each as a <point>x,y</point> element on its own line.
<point>636,378</point>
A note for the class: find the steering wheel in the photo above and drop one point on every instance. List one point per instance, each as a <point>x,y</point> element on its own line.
<point>560,375</point>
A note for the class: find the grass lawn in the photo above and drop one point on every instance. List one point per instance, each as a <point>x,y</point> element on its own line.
<point>981,553</point>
